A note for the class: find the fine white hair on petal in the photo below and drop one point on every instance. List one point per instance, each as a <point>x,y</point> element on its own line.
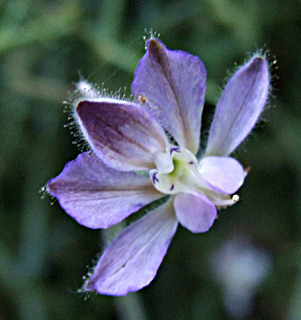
<point>122,134</point>
<point>172,84</point>
<point>239,107</point>
<point>133,258</point>
<point>87,90</point>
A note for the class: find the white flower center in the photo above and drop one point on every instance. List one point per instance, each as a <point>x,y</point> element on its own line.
<point>182,174</point>
<point>178,172</point>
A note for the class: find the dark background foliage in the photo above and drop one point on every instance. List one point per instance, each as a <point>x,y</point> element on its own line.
<point>44,253</point>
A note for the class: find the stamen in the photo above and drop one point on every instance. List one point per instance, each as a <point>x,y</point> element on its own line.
<point>155,179</point>
<point>176,149</point>
<point>223,203</point>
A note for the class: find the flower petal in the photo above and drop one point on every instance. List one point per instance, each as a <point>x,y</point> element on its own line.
<point>97,196</point>
<point>222,174</point>
<point>172,85</point>
<point>124,135</point>
<point>194,211</point>
<point>132,260</point>
<point>239,107</point>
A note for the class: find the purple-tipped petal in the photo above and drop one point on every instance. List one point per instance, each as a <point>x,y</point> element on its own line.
<point>239,107</point>
<point>124,135</point>
<point>194,211</point>
<point>97,196</point>
<point>132,260</point>
<point>222,174</point>
<point>172,85</point>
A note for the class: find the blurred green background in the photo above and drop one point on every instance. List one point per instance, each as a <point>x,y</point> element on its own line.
<point>44,253</point>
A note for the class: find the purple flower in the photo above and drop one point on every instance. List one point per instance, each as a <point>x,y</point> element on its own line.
<point>133,162</point>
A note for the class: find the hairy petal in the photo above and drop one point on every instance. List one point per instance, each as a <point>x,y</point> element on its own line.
<point>239,107</point>
<point>172,85</point>
<point>97,196</point>
<point>124,135</point>
<point>132,260</point>
<point>222,174</point>
<point>194,211</point>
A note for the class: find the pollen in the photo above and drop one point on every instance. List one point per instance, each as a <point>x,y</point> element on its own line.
<point>141,99</point>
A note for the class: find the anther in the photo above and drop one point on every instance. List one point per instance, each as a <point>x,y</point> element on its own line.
<point>174,150</point>
<point>155,179</point>
<point>236,198</point>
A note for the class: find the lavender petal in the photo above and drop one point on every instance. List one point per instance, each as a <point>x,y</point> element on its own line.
<point>239,107</point>
<point>222,174</point>
<point>97,196</point>
<point>122,134</point>
<point>172,85</point>
<point>194,211</point>
<point>132,260</point>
